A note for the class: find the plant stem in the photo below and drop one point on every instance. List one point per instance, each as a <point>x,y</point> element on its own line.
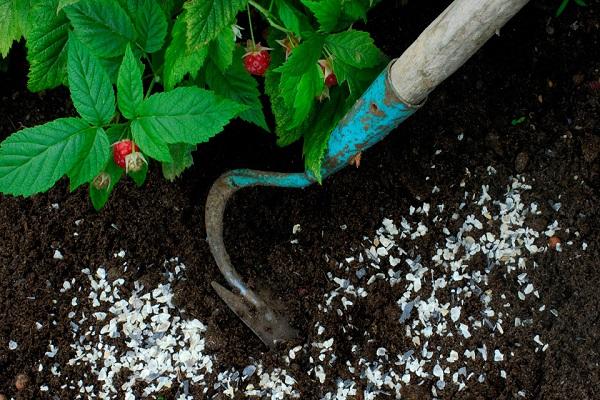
<point>155,72</point>
<point>267,14</point>
<point>250,25</point>
<point>150,87</point>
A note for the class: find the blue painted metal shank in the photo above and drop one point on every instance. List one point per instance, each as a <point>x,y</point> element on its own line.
<point>373,116</point>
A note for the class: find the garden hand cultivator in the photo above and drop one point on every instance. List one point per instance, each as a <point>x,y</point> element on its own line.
<point>446,44</point>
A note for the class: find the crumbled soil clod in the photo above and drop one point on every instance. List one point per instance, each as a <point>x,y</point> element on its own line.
<point>21,382</point>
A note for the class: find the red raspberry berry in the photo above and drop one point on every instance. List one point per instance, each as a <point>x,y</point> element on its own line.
<point>256,59</point>
<point>331,80</point>
<point>257,62</point>
<point>121,150</point>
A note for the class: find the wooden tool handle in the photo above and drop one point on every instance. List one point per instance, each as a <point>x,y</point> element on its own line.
<point>447,43</point>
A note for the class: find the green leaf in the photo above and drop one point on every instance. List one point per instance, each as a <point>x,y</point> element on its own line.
<point>23,10</point>
<point>97,156</point>
<point>302,79</point>
<point>518,121</point>
<point>207,18</point>
<point>130,7</point>
<point>292,18</point>
<point>283,114</point>
<point>356,9</point>
<point>182,159</point>
<point>64,3</point>
<point>562,7</point>
<point>184,115</point>
<point>47,47</point>
<point>317,135</point>
<point>300,92</point>
<point>356,60</point>
<point>238,85</point>
<point>355,48</point>
<point>151,25</point>
<point>221,50</point>
<point>178,60</point>
<point>103,26</point>
<point>304,56</point>
<point>111,66</point>
<point>278,53</point>
<point>33,159</point>
<point>9,28</point>
<point>100,196</point>
<point>130,90</point>
<point>116,132</point>
<point>151,142</point>
<point>338,15</point>
<point>14,15</point>
<point>358,79</point>
<point>169,7</point>
<point>91,90</point>
<point>327,13</point>
<point>290,104</point>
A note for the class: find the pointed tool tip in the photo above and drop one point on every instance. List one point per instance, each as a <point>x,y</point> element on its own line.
<point>264,322</point>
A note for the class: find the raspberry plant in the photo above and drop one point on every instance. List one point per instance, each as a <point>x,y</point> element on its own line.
<point>182,71</point>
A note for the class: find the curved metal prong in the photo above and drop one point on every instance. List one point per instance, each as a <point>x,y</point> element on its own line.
<point>257,312</point>
<point>269,326</point>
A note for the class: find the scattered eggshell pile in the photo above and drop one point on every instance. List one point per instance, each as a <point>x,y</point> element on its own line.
<point>125,332</point>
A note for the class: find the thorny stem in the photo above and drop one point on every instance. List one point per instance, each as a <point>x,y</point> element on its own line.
<point>270,18</point>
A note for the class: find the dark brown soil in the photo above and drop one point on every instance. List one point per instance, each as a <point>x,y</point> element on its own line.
<point>540,67</point>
